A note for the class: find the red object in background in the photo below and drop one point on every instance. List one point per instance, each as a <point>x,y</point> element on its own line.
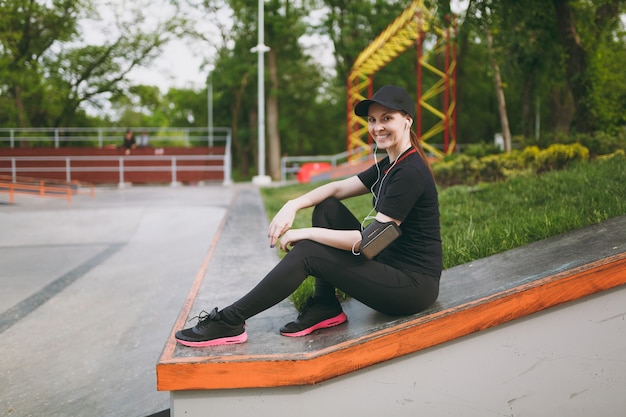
<point>304,174</point>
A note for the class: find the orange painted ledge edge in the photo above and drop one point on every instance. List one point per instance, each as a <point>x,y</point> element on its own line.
<point>170,345</point>
<point>175,374</point>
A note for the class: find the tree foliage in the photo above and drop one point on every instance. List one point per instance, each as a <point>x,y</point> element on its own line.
<point>561,62</point>
<point>47,74</point>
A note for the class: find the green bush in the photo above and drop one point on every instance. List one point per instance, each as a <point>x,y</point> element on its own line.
<point>457,169</point>
<point>490,218</point>
<point>602,143</point>
<point>464,169</point>
<point>558,156</point>
<point>481,149</point>
<point>598,143</point>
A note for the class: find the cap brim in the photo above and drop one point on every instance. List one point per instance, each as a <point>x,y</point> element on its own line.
<point>362,109</point>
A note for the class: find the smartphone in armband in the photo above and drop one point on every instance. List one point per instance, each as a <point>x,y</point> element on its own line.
<point>377,236</point>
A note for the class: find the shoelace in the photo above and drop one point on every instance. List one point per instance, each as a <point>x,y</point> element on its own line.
<point>205,317</point>
<point>307,306</point>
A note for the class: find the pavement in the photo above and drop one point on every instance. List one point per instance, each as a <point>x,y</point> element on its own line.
<point>92,288</point>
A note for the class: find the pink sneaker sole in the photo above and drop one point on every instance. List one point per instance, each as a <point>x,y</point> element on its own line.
<point>216,342</point>
<point>335,321</point>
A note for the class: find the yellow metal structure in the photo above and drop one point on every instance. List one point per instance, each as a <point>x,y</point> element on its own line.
<point>407,30</point>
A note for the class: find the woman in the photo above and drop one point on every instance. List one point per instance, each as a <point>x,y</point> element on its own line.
<point>402,279</point>
<point>129,141</point>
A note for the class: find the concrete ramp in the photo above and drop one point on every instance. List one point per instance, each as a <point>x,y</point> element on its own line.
<point>538,330</point>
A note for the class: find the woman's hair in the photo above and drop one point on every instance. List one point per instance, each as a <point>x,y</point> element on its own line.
<point>420,150</point>
<point>415,142</point>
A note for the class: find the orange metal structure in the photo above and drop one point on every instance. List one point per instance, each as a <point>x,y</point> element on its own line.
<point>42,188</point>
<point>408,29</point>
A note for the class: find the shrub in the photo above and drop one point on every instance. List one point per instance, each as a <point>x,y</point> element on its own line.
<point>464,169</point>
<point>457,169</point>
<point>481,150</point>
<point>598,143</point>
<point>558,156</point>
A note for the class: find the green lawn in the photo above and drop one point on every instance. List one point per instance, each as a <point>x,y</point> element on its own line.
<point>486,219</point>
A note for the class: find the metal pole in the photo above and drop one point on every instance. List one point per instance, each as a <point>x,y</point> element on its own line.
<point>261,81</point>
<point>68,170</point>
<point>174,179</point>
<point>121,172</point>
<point>261,48</point>
<point>210,102</point>
<point>228,160</point>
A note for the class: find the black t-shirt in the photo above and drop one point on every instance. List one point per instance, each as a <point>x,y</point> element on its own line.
<point>407,192</point>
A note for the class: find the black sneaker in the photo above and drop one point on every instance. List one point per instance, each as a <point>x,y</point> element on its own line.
<point>314,316</point>
<point>211,330</point>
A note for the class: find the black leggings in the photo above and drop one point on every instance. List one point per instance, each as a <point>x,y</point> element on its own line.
<point>375,284</point>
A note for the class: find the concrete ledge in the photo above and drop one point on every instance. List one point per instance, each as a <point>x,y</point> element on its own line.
<point>474,296</point>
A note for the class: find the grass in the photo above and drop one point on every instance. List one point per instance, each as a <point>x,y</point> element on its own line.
<point>487,219</point>
<point>480,221</point>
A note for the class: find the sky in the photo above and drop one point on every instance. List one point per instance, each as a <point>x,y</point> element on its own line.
<point>181,63</point>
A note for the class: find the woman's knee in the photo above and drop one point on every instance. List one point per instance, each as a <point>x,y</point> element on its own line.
<point>327,206</point>
<point>333,214</point>
<point>306,248</point>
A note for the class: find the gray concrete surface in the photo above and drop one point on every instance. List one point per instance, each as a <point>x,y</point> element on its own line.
<point>90,291</point>
<point>567,361</point>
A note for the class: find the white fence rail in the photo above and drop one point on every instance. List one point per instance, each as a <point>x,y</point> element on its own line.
<point>71,165</point>
<point>292,164</point>
<point>101,137</point>
<point>121,165</point>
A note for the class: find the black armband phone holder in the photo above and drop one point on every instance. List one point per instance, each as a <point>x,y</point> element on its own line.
<point>377,236</point>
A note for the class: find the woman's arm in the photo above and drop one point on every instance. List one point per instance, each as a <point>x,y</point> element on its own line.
<point>283,220</point>
<point>340,239</point>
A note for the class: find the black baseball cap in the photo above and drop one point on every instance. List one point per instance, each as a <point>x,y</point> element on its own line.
<point>390,96</point>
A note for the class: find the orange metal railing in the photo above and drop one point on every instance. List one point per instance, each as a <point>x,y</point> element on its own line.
<point>408,29</point>
<point>42,188</point>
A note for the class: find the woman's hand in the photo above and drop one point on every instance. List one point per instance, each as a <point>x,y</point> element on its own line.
<point>281,223</point>
<point>291,237</point>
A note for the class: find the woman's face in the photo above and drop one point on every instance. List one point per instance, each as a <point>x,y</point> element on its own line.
<point>389,128</point>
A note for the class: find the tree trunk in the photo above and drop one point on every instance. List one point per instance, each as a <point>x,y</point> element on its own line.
<point>273,135</point>
<point>576,64</point>
<point>238,148</point>
<point>21,114</point>
<point>527,105</point>
<point>504,119</point>
<point>561,109</point>
<point>19,106</point>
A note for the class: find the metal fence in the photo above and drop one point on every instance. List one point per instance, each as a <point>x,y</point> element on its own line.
<point>290,165</point>
<point>112,136</point>
<point>71,167</point>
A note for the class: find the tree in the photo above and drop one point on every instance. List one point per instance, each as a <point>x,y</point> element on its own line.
<point>582,27</point>
<point>49,75</point>
<point>552,54</point>
<point>353,24</point>
<point>291,77</point>
<point>28,30</point>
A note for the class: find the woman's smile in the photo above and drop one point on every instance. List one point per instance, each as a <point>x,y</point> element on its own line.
<point>381,136</point>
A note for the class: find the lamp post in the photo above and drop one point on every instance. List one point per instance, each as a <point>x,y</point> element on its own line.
<point>209,92</point>
<point>260,49</point>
